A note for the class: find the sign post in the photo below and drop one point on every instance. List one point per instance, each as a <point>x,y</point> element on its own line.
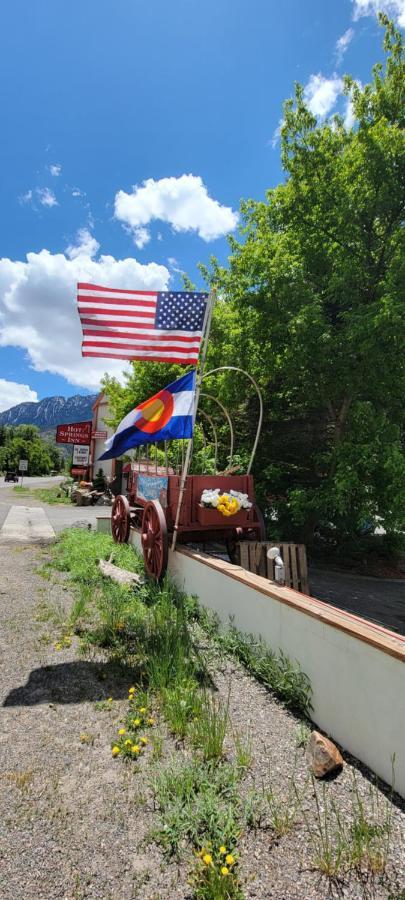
<point>23,467</point>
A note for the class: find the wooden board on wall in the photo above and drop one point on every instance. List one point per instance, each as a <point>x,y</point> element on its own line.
<point>253,558</point>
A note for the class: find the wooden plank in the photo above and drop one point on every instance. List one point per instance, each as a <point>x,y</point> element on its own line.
<point>302,551</point>
<point>285,553</point>
<point>244,555</point>
<point>294,571</point>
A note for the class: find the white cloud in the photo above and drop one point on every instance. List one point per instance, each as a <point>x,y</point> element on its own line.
<point>141,236</point>
<point>86,245</point>
<point>12,393</point>
<point>394,8</point>
<point>277,134</point>
<point>76,192</point>
<point>342,44</point>
<point>26,198</point>
<point>46,197</point>
<point>55,170</point>
<point>182,202</point>
<point>38,306</point>
<point>320,94</point>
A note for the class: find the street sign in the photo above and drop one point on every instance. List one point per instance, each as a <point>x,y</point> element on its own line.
<point>80,455</point>
<point>23,465</point>
<point>74,433</point>
<point>99,435</point>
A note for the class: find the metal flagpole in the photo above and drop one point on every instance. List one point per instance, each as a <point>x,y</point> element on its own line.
<point>200,370</point>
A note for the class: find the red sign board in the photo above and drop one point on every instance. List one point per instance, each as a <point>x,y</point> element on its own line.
<point>74,433</point>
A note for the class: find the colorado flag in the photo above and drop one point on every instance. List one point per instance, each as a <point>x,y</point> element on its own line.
<point>169,414</point>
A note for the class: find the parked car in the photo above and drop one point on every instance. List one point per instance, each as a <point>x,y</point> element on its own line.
<point>11,476</point>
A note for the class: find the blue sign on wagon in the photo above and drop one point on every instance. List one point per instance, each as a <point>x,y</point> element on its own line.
<point>152,488</point>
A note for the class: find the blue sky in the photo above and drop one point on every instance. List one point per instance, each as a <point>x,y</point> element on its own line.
<point>132,130</point>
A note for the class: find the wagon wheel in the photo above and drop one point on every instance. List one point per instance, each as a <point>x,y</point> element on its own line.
<point>154,540</point>
<point>120,520</point>
<point>257,532</point>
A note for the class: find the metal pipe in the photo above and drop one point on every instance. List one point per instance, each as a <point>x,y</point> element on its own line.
<point>259,427</point>
<point>214,431</point>
<point>227,416</point>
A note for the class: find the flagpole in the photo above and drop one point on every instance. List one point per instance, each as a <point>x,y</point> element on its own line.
<point>200,371</point>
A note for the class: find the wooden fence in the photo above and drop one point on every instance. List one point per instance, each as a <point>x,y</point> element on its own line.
<point>253,558</point>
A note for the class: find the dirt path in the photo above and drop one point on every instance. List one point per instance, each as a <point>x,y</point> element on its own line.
<point>73,820</point>
<point>70,824</point>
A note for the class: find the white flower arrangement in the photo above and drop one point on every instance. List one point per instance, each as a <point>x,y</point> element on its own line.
<point>228,503</point>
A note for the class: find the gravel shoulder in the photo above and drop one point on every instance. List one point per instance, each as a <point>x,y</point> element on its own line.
<point>73,821</point>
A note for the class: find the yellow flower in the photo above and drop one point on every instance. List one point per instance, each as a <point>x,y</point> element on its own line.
<point>142,709</point>
<point>136,722</point>
<point>128,743</point>
<point>115,750</point>
<point>110,700</point>
<point>67,641</point>
<point>121,731</point>
<point>131,690</point>
<point>151,721</point>
<point>135,748</point>
<point>207,858</point>
<point>229,859</point>
<point>222,849</point>
<point>143,740</point>
<point>224,870</point>
<point>58,646</point>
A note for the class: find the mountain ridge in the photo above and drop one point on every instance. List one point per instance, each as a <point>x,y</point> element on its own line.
<point>50,411</point>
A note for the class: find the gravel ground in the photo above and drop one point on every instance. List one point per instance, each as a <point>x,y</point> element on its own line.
<point>73,821</point>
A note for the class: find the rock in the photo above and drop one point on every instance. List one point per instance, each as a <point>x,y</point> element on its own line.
<point>322,755</point>
<point>84,498</point>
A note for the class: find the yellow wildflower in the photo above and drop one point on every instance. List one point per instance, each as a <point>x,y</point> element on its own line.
<point>136,722</point>
<point>207,858</point>
<point>131,690</point>
<point>121,731</point>
<point>143,740</point>
<point>115,750</point>
<point>128,743</point>
<point>222,849</point>
<point>142,709</point>
<point>58,646</point>
<point>110,700</point>
<point>224,870</point>
<point>151,721</point>
<point>229,859</point>
<point>135,748</point>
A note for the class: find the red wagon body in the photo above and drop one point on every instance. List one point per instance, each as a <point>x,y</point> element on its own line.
<point>151,505</point>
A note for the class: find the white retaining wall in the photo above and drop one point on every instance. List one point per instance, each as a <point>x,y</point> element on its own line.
<point>356,668</point>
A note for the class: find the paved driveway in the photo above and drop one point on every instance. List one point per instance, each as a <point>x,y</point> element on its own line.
<point>382,600</point>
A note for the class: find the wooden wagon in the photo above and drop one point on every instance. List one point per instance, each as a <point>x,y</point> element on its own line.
<point>151,505</point>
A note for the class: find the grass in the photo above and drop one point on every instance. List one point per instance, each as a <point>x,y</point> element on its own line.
<point>209,727</point>
<point>275,670</point>
<point>359,842</point>
<point>45,495</point>
<point>198,803</point>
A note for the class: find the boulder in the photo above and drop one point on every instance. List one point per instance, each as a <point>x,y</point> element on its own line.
<point>82,498</point>
<point>322,755</point>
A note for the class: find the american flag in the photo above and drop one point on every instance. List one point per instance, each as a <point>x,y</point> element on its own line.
<point>162,326</point>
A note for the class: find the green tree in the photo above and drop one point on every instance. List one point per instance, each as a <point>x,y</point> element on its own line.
<point>310,304</point>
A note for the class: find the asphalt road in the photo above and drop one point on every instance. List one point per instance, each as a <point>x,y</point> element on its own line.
<point>381,600</point>
<point>59,516</point>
